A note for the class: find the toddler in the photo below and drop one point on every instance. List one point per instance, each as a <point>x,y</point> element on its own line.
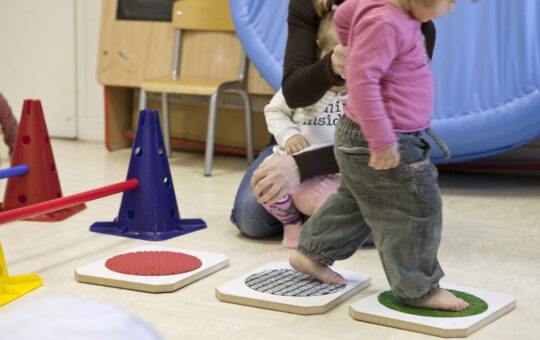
<point>388,184</point>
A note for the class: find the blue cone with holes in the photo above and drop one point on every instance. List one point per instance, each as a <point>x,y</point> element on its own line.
<point>150,211</point>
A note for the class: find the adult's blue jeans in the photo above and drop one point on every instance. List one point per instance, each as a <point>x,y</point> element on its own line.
<point>247,214</point>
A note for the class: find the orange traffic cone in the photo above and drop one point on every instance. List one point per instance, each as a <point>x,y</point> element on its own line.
<point>41,183</point>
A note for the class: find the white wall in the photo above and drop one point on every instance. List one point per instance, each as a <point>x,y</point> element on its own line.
<point>37,59</point>
<point>91,123</point>
<point>49,52</point>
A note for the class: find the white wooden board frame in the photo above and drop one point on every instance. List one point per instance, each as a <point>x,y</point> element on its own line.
<point>97,273</point>
<point>371,310</point>
<point>236,291</point>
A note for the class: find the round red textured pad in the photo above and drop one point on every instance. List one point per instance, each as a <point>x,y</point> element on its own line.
<point>153,263</point>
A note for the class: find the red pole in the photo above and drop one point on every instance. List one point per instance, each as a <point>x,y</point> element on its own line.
<point>66,202</point>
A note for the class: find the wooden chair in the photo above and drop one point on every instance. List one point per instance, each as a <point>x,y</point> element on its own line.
<point>207,66</point>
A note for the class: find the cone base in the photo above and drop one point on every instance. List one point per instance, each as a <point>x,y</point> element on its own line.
<point>58,215</point>
<point>180,227</point>
<point>16,286</point>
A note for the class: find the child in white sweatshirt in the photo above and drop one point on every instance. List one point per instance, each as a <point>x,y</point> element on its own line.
<point>297,130</point>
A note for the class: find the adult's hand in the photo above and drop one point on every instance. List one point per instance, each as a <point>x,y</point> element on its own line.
<point>274,178</point>
<point>338,60</point>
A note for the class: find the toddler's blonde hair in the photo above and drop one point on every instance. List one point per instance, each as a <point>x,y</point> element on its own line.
<point>327,37</point>
<point>323,7</point>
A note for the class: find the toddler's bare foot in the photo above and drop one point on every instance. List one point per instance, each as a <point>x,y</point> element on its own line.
<point>290,235</point>
<point>444,300</point>
<point>323,273</point>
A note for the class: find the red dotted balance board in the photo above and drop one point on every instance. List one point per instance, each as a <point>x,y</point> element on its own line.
<point>153,269</point>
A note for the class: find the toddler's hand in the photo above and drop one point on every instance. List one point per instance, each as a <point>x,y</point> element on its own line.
<point>295,144</point>
<point>385,159</point>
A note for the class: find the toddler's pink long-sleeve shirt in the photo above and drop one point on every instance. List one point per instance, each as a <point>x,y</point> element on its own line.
<point>388,70</point>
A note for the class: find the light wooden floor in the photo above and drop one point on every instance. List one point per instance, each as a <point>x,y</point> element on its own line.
<point>491,240</point>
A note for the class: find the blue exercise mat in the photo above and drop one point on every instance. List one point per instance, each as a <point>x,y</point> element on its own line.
<point>486,67</point>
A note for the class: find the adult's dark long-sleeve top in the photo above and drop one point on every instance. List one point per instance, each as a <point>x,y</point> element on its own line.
<point>306,78</point>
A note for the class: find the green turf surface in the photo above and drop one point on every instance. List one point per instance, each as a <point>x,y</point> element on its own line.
<point>476,306</point>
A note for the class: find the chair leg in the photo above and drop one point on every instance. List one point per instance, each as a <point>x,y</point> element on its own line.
<point>166,123</point>
<point>249,125</point>
<point>209,152</point>
<point>142,100</point>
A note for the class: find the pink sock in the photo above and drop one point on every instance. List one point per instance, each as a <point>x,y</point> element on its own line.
<point>284,210</point>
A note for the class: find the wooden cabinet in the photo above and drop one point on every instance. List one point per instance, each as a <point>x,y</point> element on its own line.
<point>130,51</point>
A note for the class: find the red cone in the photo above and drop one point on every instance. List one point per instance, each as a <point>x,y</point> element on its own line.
<point>41,183</point>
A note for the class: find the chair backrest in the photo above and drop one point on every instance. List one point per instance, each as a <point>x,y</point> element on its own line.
<point>203,15</point>
<point>214,51</point>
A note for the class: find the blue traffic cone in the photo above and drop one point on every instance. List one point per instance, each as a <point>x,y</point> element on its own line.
<point>150,211</point>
